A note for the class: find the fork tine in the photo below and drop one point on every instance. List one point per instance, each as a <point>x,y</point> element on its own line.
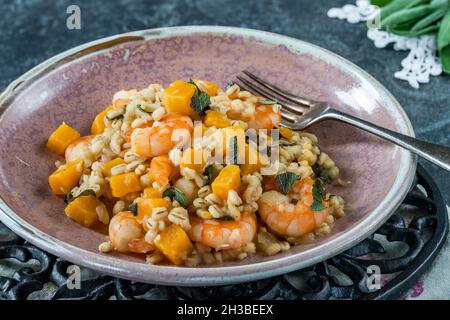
<point>285,105</point>
<point>278,90</point>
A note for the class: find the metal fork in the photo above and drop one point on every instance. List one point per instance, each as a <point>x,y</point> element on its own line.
<point>299,113</point>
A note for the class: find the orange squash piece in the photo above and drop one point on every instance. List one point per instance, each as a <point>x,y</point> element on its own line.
<point>229,178</point>
<point>177,97</point>
<point>98,125</point>
<point>210,88</point>
<point>216,119</point>
<point>152,193</point>
<point>84,210</point>
<point>252,160</point>
<point>61,138</point>
<point>193,159</point>
<point>106,168</point>
<point>174,243</point>
<point>286,133</point>
<point>65,179</point>
<point>145,207</point>
<point>124,184</point>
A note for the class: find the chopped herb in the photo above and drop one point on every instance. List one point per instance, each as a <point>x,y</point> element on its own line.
<point>234,150</point>
<point>285,181</point>
<point>177,195</point>
<point>318,192</point>
<point>69,197</point>
<point>116,114</point>
<point>133,207</point>
<point>227,218</point>
<point>208,172</point>
<point>229,84</point>
<point>200,101</point>
<point>141,108</point>
<point>267,102</point>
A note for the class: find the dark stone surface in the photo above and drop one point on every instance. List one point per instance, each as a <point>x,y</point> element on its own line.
<point>34,30</point>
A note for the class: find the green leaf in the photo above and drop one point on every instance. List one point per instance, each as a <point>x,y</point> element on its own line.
<point>229,84</point>
<point>234,148</point>
<point>174,193</point>
<point>133,207</point>
<point>285,181</point>
<point>380,3</point>
<point>200,101</point>
<point>319,195</point>
<point>208,172</point>
<point>69,197</point>
<point>140,108</point>
<point>397,5</point>
<point>443,40</point>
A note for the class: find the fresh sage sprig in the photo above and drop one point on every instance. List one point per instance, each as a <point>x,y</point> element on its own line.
<point>418,17</point>
<point>443,41</point>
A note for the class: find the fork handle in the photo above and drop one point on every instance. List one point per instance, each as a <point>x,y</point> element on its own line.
<point>437,154</point>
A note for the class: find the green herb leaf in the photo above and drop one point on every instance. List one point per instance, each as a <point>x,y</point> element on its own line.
<point>285,181</point>
<point>318,195</point>
<point>133,207</point>
<point>139,107</point>
<point>229,84</point>
<point>208,172</point>
<point>69,197</point>
<point>234,148</point>
<point>443,41</point>
<point>174,193</point>
<point>227,218</point>
<point>200,101</point>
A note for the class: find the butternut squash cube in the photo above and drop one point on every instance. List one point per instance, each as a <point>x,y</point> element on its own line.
<point>152,193</point>
<point>174,243</point>
<point>216,119</point>
<point>84,210</point>
<point>66,178</point>
<point>124,184</point>
<point>145,207</point>
<point>106,168</point>
<point>98,125</point>
<point>61,138</point>
<point>229,178</point>
<point>210,88</point>
<point>286,133</point>
<point>177,97</point>
<point>193,159</point>
<point>252,160</point>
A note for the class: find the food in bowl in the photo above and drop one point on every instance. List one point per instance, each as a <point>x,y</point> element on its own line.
<point>192,174</point>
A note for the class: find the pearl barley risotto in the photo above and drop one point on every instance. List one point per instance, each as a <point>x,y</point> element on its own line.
<point>192,174</point>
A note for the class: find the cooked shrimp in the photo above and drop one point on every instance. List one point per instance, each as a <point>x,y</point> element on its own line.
<point>126,234</point>
<point>221,234</point>
<point>288,219</point>
<point>79,150</point>
<point>173,130</point>
<point>162,170</point>
<point>265,117</point>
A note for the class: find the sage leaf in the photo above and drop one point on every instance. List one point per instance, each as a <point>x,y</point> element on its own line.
<point>178,195</point>
<point>443,40</point>
<point>133,207</point>
<point>285,181</point>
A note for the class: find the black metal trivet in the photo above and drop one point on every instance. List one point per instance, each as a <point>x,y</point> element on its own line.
<point>403,249</point>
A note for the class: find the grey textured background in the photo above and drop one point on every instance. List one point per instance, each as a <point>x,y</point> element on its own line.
<point>34,30</point>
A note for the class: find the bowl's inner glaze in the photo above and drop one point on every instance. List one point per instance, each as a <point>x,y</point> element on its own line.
<point>77,91</point>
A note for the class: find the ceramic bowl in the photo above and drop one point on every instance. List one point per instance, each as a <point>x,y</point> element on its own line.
<point>75,85</point>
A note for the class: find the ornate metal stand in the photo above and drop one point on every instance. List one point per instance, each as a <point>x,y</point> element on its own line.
<point>403,248</point>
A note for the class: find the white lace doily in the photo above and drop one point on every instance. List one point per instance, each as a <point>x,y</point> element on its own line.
<point>421,61</point>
